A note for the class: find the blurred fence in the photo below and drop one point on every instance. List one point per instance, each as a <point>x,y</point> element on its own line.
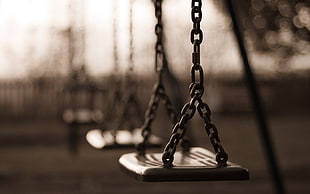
<point>286,94</point>
<point>43,98</point>
<point>30,99</point>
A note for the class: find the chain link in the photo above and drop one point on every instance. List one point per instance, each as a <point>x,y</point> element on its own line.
<point>196,92</point>
<point>149,118</point>
<point>115,39</point>
<point>159,93</point>
<point>131,46</point>
<point>159,48</point>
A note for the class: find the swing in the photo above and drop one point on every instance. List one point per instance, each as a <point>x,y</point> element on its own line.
<point>80,108</point>
<point>105,139</point>
<point>196,163</point>
<point>159,93</point>
<point>80,90</point>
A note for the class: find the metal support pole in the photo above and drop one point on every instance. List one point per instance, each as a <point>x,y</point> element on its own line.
<point>252,85</point>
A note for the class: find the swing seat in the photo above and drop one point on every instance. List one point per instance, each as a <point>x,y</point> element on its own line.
<point>197,165</point>
<point>82,116</point>
<point>123,139</point>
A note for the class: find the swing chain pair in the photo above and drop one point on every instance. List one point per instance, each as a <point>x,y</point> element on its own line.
<point>158,95</point>
<point>196,92</point>
<point>159,92</point>
<point>160,62</point>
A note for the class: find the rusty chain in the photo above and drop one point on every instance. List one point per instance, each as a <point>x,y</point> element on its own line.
<point>196,103</point>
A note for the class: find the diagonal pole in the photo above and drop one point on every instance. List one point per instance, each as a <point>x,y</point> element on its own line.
<point>264,132</point>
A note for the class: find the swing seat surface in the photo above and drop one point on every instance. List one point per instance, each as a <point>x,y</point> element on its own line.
<point>123,139</point>
<point>197,165</point>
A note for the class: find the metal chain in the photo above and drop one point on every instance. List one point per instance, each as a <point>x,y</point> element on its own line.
<point>115,40</point>
<point>76,35</point>
<point>149,117</point>
<point>169,107</point>
<point>196,92</point>
<point>116,93</point>
<point>131,47</point>
<point>159,48</point>
<point>159,92</point>
<point>130,81</point>
<point>160,65</point>
<point>130,102</point>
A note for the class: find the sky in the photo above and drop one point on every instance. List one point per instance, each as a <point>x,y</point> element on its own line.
<point>33,38</point>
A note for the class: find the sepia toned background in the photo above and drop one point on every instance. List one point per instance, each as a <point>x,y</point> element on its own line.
<point>44,44</point>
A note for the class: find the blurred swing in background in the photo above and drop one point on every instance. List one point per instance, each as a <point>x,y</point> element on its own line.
<point>125,103</point>
<point>35,66</point>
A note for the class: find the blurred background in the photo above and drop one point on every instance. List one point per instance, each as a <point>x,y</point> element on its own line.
<point>62,55</point>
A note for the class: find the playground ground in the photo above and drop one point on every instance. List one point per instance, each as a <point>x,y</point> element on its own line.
<point>35,159</point>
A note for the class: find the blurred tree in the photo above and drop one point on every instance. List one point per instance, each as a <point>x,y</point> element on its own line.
<point>282,26</point>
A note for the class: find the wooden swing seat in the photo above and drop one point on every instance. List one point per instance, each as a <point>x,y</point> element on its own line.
<point>123,139</point>
<point>197,165</point>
